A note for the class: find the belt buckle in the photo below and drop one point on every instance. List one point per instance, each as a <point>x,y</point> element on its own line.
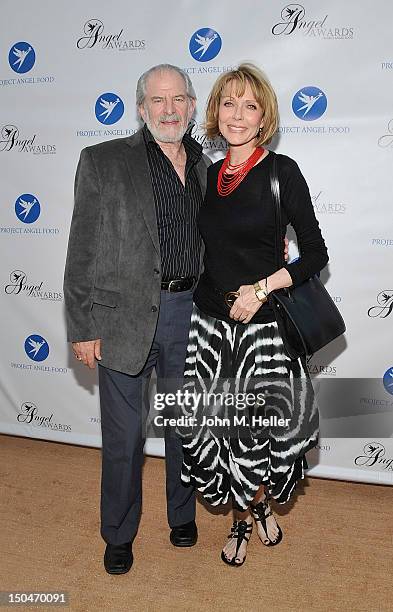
<point>170,284</point>
<point>230,298</point>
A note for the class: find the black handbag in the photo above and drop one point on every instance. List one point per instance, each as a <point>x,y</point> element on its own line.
<point>306,315</point>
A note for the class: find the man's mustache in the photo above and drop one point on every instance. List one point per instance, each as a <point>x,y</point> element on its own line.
<point>165,118</point>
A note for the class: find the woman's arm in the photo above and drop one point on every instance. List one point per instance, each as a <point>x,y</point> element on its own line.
<point>297,205</point>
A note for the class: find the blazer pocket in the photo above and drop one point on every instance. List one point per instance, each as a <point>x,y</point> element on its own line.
<point>105,297</point>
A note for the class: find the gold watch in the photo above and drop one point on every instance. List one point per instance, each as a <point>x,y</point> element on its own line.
<point>261,294</point>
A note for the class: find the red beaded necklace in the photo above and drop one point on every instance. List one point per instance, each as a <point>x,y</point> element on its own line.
<point>226,183</point>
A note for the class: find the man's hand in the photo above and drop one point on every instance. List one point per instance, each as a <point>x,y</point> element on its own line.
<point>88,352</point>
<point>286,245</point>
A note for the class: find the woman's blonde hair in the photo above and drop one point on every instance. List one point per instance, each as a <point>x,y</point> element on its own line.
<point>262,91</point>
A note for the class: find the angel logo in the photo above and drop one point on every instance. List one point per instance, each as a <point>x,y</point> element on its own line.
<point>372,452</point>
<point>10,140</point>
<point>384,305</point>
<point>94,33</point>
<point>291,16</point>
<point>109,108</point>
<point>19,285</point>
<point>27,208</point>
<point>388,380</point>
<point>21,57</point>
<point>17,280</point>
<point>205,44</point>
<point>386,140</point>
<point>96,36</point>
<point>28,413</point>
<point>36,347</point>
<point>92,30</point>
<point>374,455</point>
<point>293,19</point>
<point>309,103</point>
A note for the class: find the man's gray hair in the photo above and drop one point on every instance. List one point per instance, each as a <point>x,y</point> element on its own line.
<point>141,85</point>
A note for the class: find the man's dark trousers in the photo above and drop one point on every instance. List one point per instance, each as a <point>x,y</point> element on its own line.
<point>123,430</point>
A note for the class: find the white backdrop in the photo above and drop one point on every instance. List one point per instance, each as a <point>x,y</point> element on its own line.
<point>57,59</point>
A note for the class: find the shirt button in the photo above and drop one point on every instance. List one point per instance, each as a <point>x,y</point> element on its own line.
<point>154,308</point>
<point>156,271</point>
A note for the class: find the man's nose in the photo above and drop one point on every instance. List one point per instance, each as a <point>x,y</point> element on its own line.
<point>169,106</point>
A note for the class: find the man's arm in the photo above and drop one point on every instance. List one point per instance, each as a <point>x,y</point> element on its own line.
<point>80,266</point>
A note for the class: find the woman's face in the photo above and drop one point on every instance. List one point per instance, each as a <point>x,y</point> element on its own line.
<point>239,119</point>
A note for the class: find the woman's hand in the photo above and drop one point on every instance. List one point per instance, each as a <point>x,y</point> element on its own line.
<point>246,305</point>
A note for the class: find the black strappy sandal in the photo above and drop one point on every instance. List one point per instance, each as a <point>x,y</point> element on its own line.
<point>239,530</point>
<point>259,513</point>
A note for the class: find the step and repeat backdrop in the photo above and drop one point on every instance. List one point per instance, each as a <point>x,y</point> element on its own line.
<point>68,73</point>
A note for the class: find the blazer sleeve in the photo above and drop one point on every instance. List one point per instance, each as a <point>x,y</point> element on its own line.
<point>297,204</point>
<point>80,268</point>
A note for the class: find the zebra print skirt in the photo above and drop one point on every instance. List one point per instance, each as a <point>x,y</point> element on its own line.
<point>230,462</point>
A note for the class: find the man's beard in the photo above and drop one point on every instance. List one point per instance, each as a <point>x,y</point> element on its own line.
<point>162,136</point>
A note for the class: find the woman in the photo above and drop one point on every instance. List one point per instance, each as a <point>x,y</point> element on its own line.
<point>238,341</point>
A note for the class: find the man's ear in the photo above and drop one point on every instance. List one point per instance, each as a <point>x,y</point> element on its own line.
<point>142,112</point>
<point>192,105</point>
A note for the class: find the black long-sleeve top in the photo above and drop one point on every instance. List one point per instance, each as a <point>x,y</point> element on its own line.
<point>177,207</point>
<point>239,235</point>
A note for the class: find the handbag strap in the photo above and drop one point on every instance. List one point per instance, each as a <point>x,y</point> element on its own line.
<point>275,189</point>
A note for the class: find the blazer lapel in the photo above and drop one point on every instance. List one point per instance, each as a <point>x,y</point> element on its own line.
<point>138,168</point>
<point>201,169</point>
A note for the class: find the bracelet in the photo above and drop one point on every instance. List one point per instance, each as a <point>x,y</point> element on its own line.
<point>262,294</point>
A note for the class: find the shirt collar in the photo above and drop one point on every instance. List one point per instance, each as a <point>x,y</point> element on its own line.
<point>192,147</point>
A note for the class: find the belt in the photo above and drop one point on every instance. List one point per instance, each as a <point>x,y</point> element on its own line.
<point>178,284</point>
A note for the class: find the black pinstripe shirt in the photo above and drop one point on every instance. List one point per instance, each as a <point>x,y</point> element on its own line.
<point>177,208</point>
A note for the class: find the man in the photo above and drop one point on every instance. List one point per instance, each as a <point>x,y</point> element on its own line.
<point>133,260</point>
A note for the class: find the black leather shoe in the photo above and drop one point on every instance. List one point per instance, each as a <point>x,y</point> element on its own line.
<point>118,558</point>
<point>184,535</point>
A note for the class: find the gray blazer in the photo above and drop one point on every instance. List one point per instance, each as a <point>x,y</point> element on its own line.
<point>112,279</point>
